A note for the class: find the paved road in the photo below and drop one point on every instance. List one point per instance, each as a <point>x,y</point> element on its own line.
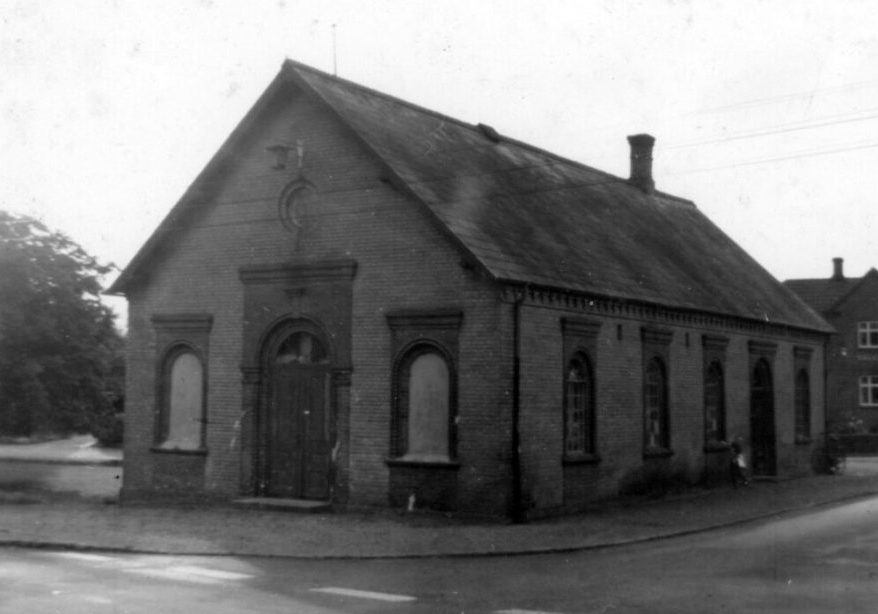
<point>823,561</point>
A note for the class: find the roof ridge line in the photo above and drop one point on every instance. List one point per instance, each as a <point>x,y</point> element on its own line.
<point>853,288</point>
<point>296,65</point>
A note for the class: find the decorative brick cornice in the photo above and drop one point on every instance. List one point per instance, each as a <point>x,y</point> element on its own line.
<point>179,322</point>
<point>801,352</point>
<point>441,319</point>
<point>658,336</point>
<point>716,343</point>
<point>762,348</point>
<point>642,311</point>
<point>298,272</point>
<point>581,326</point>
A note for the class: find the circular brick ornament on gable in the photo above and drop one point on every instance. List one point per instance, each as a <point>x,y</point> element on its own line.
<point>294,202</point>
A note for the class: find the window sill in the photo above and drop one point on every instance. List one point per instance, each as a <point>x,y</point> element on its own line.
<point>180,451</point>
<point>715,446</point>
<point>658,453</point>
<point>581,459</point>
<point>428,464</point>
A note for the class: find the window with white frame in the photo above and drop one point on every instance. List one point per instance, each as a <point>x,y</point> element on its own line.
<point>869,390</point>
<point>867,334</point>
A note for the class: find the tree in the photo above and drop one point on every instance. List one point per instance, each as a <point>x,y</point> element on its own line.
<point>58,343</point>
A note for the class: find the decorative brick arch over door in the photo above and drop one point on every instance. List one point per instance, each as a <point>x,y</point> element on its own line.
<point>296,366</point>
<point>296,415</point>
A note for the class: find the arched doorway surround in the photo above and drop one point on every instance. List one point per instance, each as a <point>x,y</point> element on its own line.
<point>295,421</point>
<point>290,305</point>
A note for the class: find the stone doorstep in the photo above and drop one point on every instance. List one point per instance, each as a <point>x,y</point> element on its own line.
<point>304,506</point>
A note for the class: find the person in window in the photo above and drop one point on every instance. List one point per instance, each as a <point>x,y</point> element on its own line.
<point>738,466</point>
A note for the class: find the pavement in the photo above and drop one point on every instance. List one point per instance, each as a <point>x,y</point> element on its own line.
<point>39,518</point>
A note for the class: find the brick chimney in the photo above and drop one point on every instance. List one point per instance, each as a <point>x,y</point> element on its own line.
<point>641,162</point>
<point>838,269</point>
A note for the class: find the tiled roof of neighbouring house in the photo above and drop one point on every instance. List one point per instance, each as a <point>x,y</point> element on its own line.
<point>826,293</point>
<point>821,294</point>
<point>528,216</point>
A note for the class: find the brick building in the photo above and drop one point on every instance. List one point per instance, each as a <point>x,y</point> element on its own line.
<point>364,302</point>
<point>850,304</point>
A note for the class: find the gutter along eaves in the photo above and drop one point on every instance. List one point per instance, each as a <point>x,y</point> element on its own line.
<point>533,288</point>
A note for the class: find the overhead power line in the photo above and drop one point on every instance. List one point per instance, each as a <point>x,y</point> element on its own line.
<point>809,154</point>
<point>783,97</point>
<point>782,128</point>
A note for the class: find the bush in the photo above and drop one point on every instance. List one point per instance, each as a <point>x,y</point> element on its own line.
<point>107,426</point>
<point>108,430</point>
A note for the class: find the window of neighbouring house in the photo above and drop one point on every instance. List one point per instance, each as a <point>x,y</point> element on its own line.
<point>182,413</point>
<point>869,390</point>
<point>655,406</point>
<point>803,405</point>
<point>423,407</point>
<point>714,404</point>
<point>867,334</point>
<point>578,407</point>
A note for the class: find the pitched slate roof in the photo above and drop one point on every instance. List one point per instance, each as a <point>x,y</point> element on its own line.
<point>529,216</point>
<point>823,295</point>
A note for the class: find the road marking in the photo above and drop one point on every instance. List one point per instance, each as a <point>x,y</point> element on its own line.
<point>84,556</point>
<point>212,573</point>
<point>96,599</point>
<point>189,573</point>
<point>350,592</point>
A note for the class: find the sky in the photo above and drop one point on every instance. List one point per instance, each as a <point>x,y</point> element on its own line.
<point>765,112</point>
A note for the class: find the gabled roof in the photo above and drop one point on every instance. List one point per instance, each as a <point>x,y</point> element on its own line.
<point>827,294</point>
<point>821,294</point>
<point>528,216</point>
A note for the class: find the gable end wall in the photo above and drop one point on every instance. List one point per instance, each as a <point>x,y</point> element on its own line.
<point>402,262</point>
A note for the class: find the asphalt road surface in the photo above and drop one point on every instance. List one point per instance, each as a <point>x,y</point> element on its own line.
<point>818,562</point>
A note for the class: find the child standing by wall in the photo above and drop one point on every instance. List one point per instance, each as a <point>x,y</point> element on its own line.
<point>738,466</point>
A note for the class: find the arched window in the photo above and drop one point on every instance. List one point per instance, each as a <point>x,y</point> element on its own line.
<point>803,405</point>
<point>423,425</point>
<point>181,422</point>
<point>655,406</point>
<point>578,407</point>
<point>714,404</point>
<point>301,348</point>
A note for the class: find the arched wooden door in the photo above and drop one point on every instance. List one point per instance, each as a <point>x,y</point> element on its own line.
<point>298,449</point>
<point>762,431</point>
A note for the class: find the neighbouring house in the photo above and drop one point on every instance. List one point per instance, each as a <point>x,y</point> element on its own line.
<point>363,302</point>
<point>850,305</point>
